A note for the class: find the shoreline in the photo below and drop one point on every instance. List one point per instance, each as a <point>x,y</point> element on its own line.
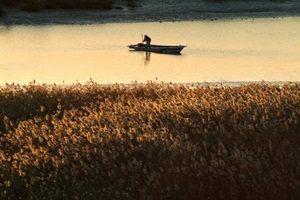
<point>147,13</point>
<point>4,23</point>
<point>135,83</point>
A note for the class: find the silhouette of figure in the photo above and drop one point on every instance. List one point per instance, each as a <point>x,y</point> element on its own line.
<point>147,39</point>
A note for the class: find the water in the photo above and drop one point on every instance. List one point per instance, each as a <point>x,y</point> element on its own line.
<point>227,50</point>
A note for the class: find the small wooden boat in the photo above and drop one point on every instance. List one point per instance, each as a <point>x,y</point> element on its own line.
<point>157,48</point>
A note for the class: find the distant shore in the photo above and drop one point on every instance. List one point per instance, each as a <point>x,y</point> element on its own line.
<point>143,11</point>
<point>39,5</point>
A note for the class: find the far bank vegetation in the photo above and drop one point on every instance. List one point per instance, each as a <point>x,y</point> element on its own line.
<point>38,5</point>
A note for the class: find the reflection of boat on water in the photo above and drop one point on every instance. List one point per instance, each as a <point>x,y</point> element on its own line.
<point>147,58</point>
<point>157,48</point>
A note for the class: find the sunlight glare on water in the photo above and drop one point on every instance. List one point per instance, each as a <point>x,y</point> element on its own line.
<point>218,51</point>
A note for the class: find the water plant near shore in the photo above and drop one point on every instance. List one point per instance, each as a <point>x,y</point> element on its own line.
<point>151,141</point>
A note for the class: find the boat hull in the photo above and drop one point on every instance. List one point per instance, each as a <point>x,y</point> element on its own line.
<point>157,48</point>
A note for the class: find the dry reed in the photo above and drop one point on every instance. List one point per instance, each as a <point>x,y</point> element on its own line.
<point>151,141</point>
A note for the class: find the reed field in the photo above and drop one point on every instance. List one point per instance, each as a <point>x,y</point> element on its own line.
<point>150,141</point>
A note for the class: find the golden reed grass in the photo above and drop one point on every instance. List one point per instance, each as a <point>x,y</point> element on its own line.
<point>151,141</point>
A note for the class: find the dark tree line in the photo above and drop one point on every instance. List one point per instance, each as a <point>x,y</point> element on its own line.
<point>37,5</point>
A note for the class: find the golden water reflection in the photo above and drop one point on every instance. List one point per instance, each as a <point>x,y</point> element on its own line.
<point>229,50</point>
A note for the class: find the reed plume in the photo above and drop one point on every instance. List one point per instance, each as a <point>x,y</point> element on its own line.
<point>149,141</point>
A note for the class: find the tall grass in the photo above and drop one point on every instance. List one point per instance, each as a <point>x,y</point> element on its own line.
<point>151,141</point>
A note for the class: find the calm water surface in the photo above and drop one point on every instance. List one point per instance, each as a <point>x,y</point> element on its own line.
<point>218,51</point>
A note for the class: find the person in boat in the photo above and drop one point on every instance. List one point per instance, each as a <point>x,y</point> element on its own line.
<point>147,39</point>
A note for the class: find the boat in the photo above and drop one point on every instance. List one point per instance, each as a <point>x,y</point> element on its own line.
<point>167,49</point>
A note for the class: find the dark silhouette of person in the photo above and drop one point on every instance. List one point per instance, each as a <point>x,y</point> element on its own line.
<point>147,39</point>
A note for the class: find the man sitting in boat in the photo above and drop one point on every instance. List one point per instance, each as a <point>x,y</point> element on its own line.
<point>147,39</point>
